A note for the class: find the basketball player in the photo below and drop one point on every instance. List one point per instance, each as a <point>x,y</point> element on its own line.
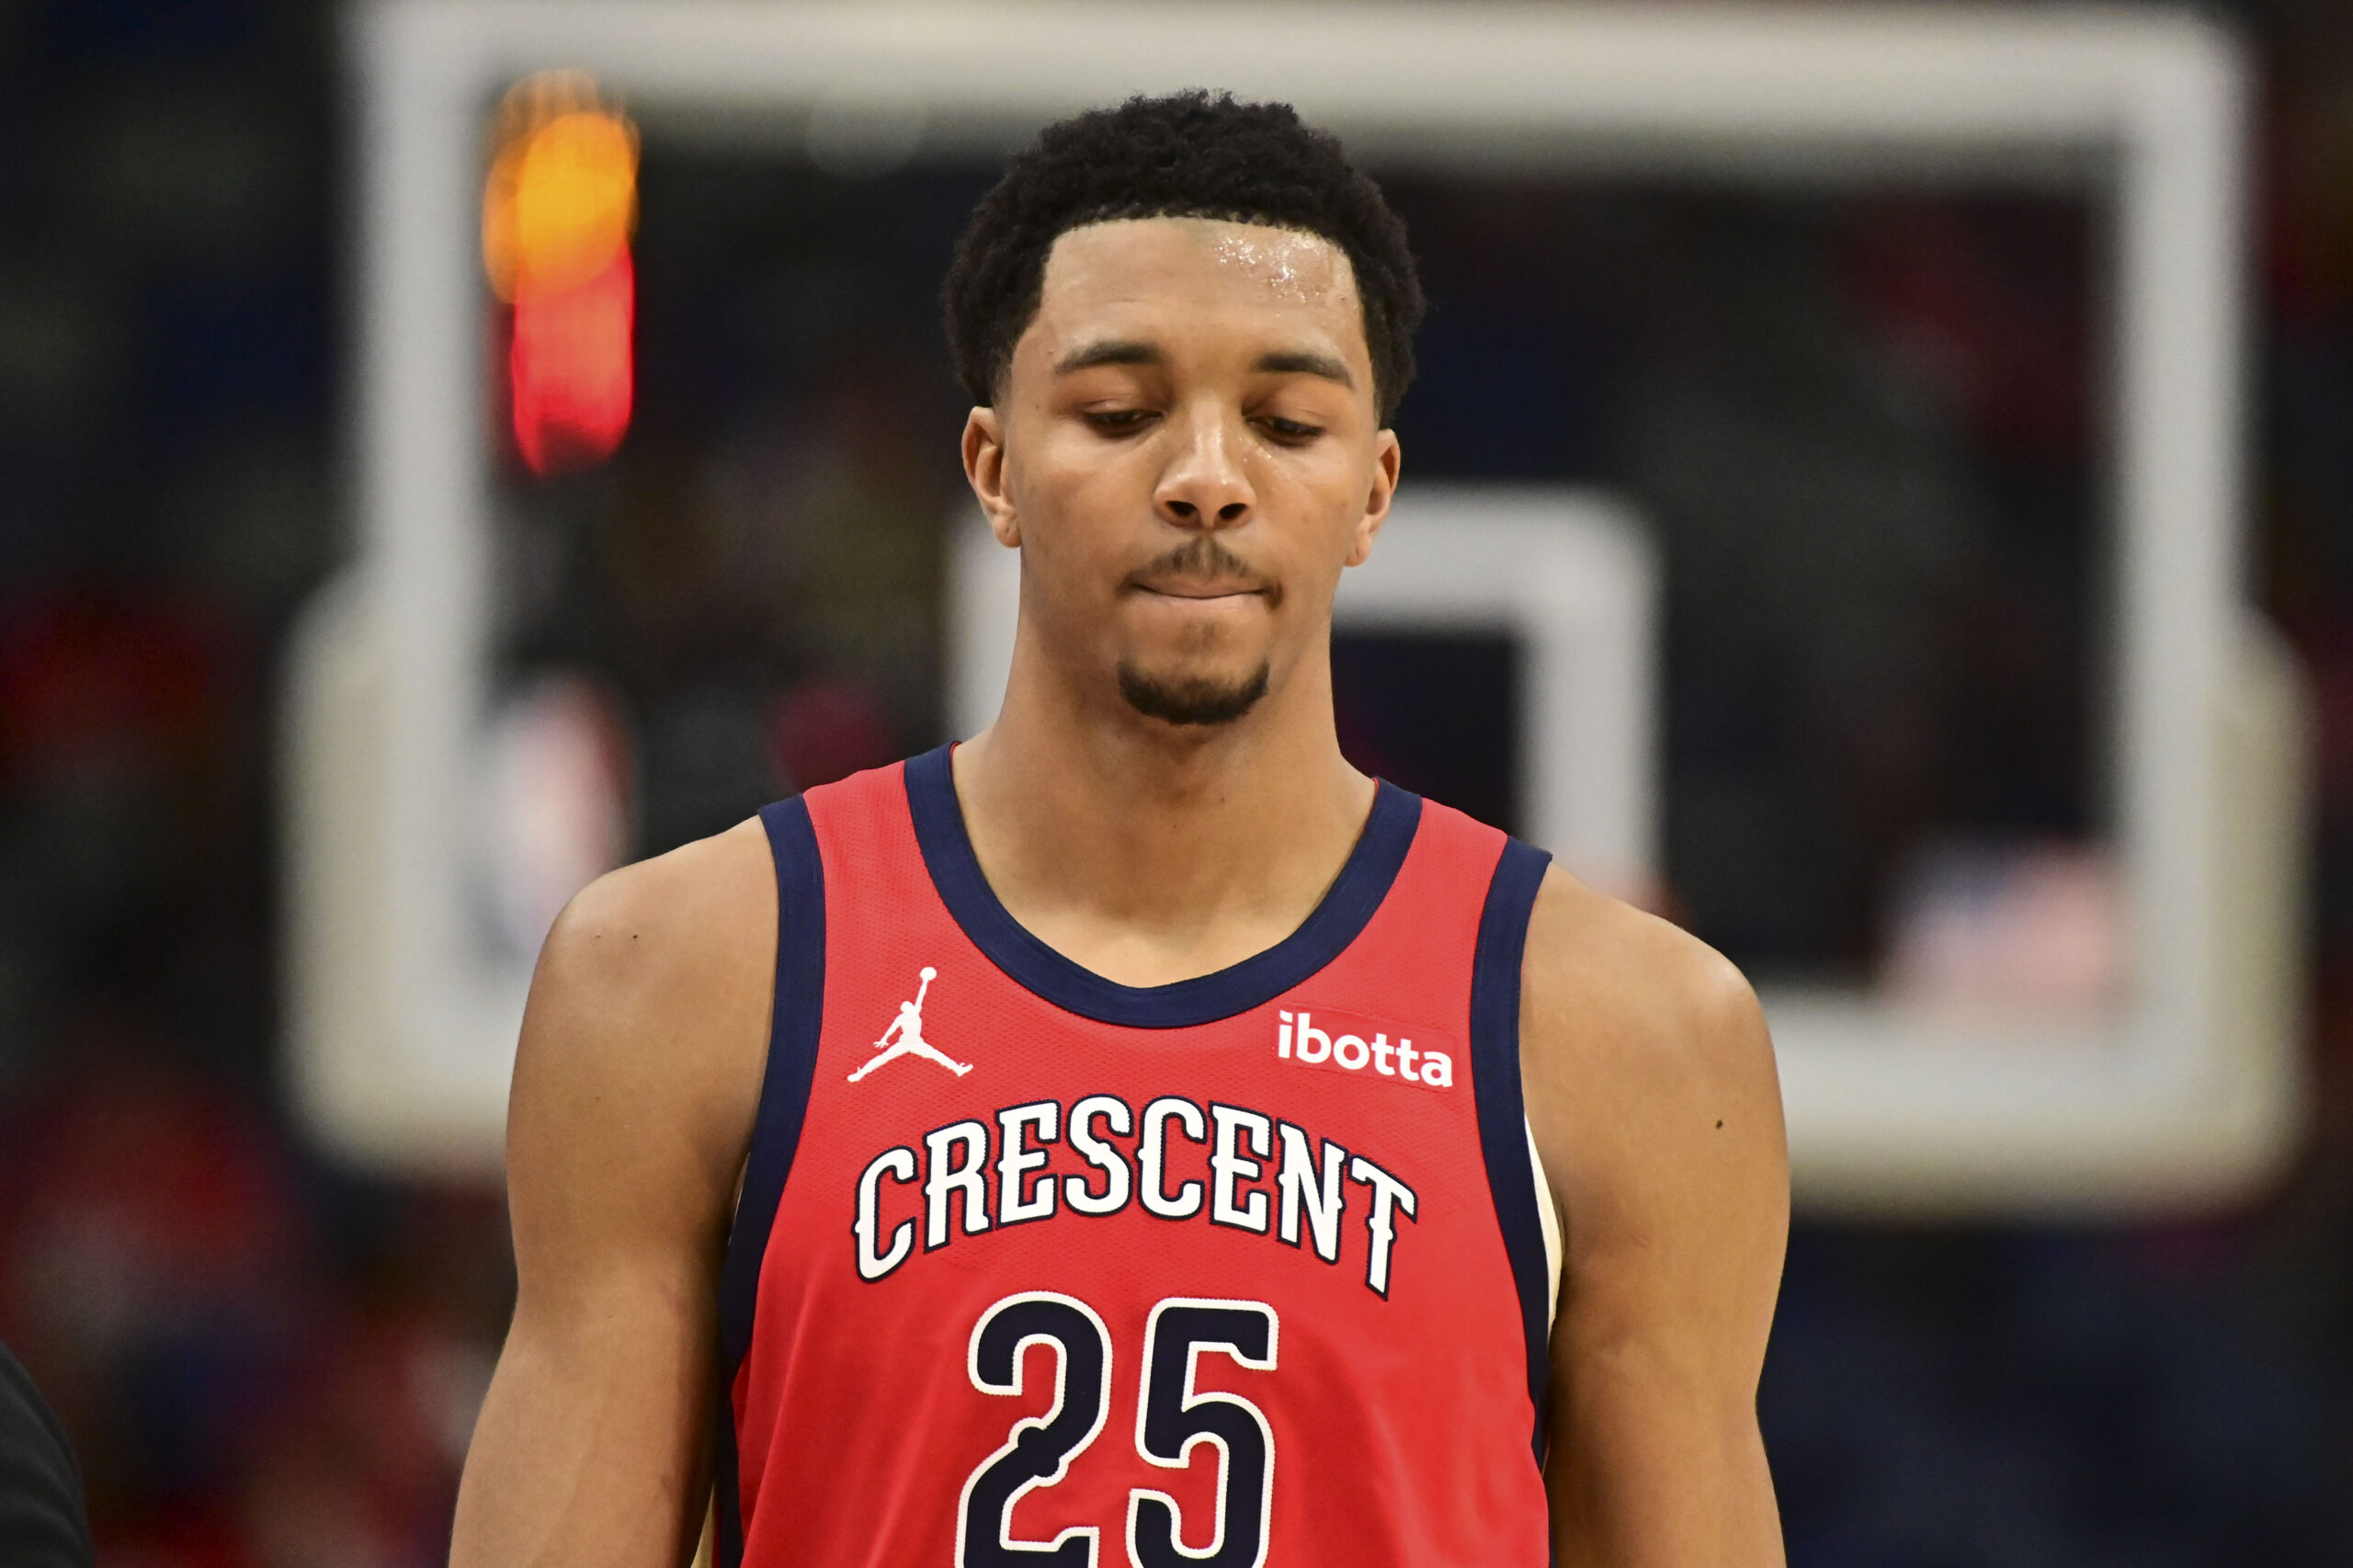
<point>1257,1164</point>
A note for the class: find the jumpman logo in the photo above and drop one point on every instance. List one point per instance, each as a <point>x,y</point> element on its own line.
<point>904,1037</point>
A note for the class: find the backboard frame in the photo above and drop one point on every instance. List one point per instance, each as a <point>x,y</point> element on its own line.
<point>2192,1095</point>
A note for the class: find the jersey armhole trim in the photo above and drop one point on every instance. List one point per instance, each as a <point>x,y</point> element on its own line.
<point>795,1021</point>
<point>1503,1119</point>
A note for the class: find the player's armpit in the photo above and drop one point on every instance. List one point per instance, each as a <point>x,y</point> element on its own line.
<point>1652,1092</point>
<point>635,1085</point>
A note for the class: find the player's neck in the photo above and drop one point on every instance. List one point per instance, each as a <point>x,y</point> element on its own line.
<point>1150,853</point>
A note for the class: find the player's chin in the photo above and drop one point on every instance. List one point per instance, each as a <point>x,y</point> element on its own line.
<point>1192,694</point>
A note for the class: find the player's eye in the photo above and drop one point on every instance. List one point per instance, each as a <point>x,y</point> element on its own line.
<point>1290,431</point>
<point>1118,421</point>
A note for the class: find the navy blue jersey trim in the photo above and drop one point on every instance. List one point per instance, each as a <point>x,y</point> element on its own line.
<point>1503,1127</point>
<point>727,1490</point>
<point>792,1063</point>
<point>1345,909</point>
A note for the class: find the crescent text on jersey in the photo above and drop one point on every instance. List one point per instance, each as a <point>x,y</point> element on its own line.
<point>1248,1171</point>
<point>1340,1044</point>
<point>904,1037</point>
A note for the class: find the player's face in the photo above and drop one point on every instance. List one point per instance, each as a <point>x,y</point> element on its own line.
<point>1188,453</point>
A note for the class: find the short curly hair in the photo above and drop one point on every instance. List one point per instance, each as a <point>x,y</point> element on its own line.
<point>1189,154</point>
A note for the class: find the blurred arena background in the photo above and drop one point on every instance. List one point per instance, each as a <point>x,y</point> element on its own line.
<point>1855,440</point>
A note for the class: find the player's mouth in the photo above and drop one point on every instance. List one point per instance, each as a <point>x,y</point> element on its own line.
<point>1203,572</point>
<point>1204,593</point>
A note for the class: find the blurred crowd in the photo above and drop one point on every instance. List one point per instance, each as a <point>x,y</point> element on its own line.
<point>261,1359</point>
<point>269,1359</point>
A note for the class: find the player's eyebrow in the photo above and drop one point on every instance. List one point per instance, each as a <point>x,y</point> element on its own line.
<point>1135,351</point>
<point>1109,351</point>
<point>1306,362</point>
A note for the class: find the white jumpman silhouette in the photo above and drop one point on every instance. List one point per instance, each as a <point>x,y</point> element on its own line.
<point>904,1037</point>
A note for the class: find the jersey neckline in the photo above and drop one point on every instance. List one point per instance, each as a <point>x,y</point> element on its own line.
<point>1347,906</point>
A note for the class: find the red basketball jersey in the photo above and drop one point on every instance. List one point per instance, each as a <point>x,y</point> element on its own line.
<point>1032,1268</point>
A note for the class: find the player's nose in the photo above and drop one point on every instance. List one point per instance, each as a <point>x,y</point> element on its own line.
<point>1204,484</point>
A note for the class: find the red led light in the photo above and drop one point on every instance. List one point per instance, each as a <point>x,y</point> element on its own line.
<point>557,211</point>
<point>570,366</point>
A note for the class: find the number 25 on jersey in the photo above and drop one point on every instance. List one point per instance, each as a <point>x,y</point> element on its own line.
<point>1171,1417</point>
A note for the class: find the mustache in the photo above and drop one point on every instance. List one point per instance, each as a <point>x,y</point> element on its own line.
<point>1204,559</point>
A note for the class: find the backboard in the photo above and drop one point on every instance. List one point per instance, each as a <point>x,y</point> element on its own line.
<point>2178,1083</point>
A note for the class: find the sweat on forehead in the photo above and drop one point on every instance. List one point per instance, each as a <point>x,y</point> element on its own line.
<point>1288,265</point>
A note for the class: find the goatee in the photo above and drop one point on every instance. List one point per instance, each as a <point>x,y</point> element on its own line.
<point>1191,700</point>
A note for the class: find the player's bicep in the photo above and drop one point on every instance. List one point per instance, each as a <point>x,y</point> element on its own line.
<point>1651,1090</point>
<point>1676,1183</point>
<point>635,1079</point>
<point>1656,1455</point>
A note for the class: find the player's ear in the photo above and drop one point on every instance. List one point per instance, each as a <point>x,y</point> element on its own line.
<point>1386,458</point>
<point>985,469</point>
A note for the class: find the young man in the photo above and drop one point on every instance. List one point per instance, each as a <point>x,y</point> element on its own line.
<point>1134,1136</point>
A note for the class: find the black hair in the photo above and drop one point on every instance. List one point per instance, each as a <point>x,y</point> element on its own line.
<point>1190,154</point>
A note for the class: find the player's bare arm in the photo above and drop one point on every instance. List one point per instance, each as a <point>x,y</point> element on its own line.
<point>1651,1093</point>
<point>635,1083</point>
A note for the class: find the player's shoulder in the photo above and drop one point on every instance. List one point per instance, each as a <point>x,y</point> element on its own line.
<point>643,1044</point>
<point>666,931</point>
<point>1633,1017</point>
